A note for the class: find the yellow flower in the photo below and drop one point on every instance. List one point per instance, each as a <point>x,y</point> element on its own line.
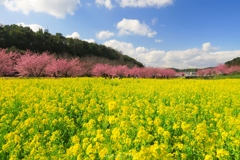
<point>61,110</point>
<point>6,146</point>
<point>99,136</point>
<point>176,126</point>
<point>112,106</point>
<point>128,141</point>
<point>185,126</point>
<point>142,133</point>
<point>157,121</point>
<point>179,145</point>
<point>17,139</point>
<point>90,150</point>
<point>222,153</point>
<point>115,134</point>
<point>74,150</point>
<point>125,110</point>
<point>31,131</point>
<point>160,130</point>
<point>208,157</point>
<point>224,135</point>
<point>112,119</point>
<point>149,121</point>
<point>103,153</point>
<point>38,116</point>
<point>166,134</point>
<point>183,156</point>
<point>85,143</point>
<point>75,139</point>
<point>100,118</point>
<point>55,135</point>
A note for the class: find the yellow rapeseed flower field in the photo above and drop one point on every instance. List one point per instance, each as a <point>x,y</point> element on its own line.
<point>96,118</point>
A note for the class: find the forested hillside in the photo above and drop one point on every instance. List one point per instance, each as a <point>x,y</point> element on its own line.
<point>20,38</point>
<point>234,62</point>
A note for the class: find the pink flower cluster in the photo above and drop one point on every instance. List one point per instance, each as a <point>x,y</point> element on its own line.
<point>37,65</point>
<point>221,69</point>
<point>41,65</point>
<point>123,71</point>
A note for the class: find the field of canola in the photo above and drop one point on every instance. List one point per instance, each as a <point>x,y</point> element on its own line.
<point>95,118</point>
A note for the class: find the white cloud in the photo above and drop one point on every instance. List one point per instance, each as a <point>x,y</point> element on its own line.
<point>34,27</point>
<point>74,35</point>
<point>207,47</point>
<point>106,3</point>
<point>182,55</point>
<point>140,50</point>
<point>153,57</point>
<point>145,3</point>
<point>126,48</point>
<point>134,27</point>
<point>190,58</point>
<point>56,8</point>
<point>104,34</point>
<point>89,40</point>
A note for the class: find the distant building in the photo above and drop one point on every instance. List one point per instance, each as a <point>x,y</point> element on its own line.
<point>190,74</point>
<point>45,30</point>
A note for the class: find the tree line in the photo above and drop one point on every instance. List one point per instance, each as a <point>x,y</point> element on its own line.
<point>21,39</point>
<point>221,69</point>
<point>32,64</point>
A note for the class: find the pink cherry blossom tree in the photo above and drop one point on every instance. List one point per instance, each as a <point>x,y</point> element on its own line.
<point>120,71</point>
<point>222,69</point>
<point>7,61</point>
<point>144,73</point>
<point>151,72</point>
<point>200,72</point>
<point>206,72</point>
<point>134,72</point>
<point>65,68</point>
<point>169,73</point>
<point>32,64</point>
<point>155,72</point>
<point>101,70</point>
<point>234,69</point>
<point>111,72</point>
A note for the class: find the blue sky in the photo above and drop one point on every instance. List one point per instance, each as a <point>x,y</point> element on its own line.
<point>159,33</point>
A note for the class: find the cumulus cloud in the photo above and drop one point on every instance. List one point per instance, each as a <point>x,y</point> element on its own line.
<point>126,48</point>
<point>56,8</point>
<point>207,47</point>
<point>104,35</point>
<point>134,27</point>
<point>106,3</point>
<point>140,53</point>
<point>190,58</point>
<point>34,27</point>
<point>74,35</point>
<point>144,3</point>
<point>89,40</point>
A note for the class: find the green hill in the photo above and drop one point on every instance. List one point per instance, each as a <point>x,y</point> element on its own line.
<point>233,62</point>
<point>20,38</point>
